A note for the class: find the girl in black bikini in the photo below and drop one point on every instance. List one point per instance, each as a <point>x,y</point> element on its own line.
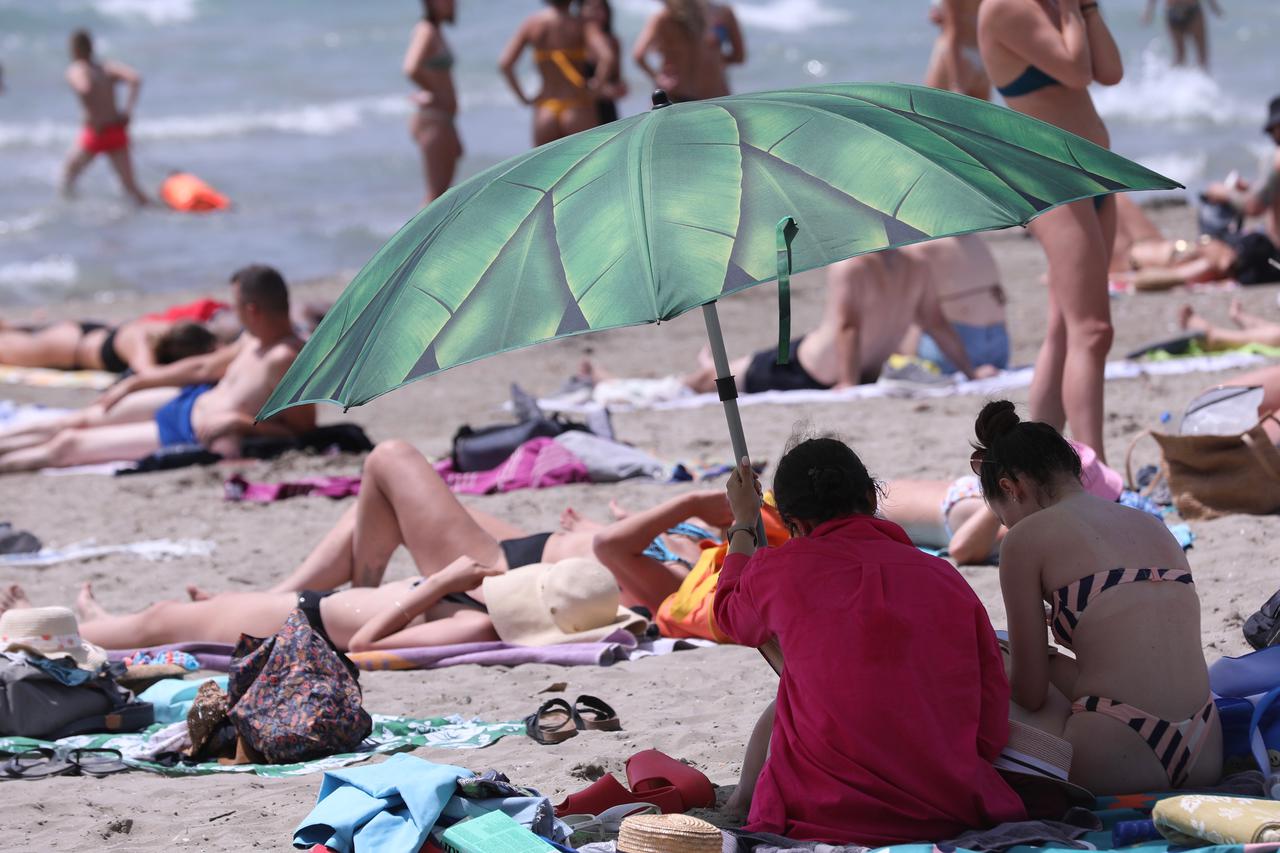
<point>134,345</point>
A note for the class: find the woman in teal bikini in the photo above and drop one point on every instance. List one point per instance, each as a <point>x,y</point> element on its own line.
<point>1134,700</point>
<point>429,65</point>
<point>1043,55</point>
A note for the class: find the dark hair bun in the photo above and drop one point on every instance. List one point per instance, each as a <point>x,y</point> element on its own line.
<point>996,420</point>
<point>819,479</point>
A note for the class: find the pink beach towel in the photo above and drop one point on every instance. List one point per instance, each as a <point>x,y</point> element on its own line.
<point>237,488</point>
<point>537,464</point>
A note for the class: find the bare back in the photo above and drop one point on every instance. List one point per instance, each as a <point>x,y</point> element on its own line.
<point>559,42</point>
<point>964,273</point>
<point>881,294</point>
<point>95,88</point>
<point>692,60</point>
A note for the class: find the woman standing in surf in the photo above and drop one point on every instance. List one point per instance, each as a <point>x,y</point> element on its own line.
<point>429,65</point>
<point>1043,55</point>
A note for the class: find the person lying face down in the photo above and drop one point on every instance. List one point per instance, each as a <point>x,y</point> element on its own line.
<point>1134,701</point>
<point>210,400</point>
<point>893,701</point>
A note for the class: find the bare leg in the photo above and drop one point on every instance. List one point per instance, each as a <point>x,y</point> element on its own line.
<point>54,346</point>
<point>77,160</point>
<point>1245,320</point>
<point>1200,37</point>
<point>402,501</point>
<point>1073,240</point>
<point>437,138</point>
<point>138,406</point>
<point>703,380</point>
<point>1046,380</point>
<point>86,447</point>
<point>1179,39</point>
<point>739,803</point>
<point>221,619</point>
<point>123,165</point>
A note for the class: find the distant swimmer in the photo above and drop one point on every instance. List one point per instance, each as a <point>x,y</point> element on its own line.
<point>106,126</point>
<point>696,41</point>
<point>429,65</point>
<point>1185,18</point>
<point>562,45</point>
<point>956,65</point>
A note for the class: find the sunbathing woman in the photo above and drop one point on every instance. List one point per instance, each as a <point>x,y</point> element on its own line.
<point>1044,56</point>
<point>1134,702</point>
<point>566,103</point>
<point>868,746</point>
<point>133,345</point>
<point>403,501</point>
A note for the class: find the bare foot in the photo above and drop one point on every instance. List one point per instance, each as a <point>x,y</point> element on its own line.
<point>571,521</point>
<point>618,511</point>
<point>1236,312</point>
<point>195,593</point>
<point>87,607</point>
<point>589,371</point>
<point>13,598</point>
<point>1191,321</point>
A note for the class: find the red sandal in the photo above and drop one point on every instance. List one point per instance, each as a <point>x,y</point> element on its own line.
<point>607,792</point>
<point>652,770</point>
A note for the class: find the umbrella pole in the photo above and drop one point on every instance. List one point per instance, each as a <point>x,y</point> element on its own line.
<point>728,390</point>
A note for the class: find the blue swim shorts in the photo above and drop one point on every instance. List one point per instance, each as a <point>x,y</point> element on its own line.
<point>983,345</point>
<point>174,417</point>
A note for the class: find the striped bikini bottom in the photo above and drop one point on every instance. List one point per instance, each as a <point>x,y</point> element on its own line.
<point>1176,745</point>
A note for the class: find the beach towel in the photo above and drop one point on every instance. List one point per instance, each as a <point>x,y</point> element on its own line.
<point>618,646</point>
<point>537,464</point>
<point>1005,381</point>
<point>15,415</point>
<point>396,805</point>
<point>1196,820</point>
<point>148,549</point>
<point>237,488</point>
<point>390,734</point>
<point>45,377</point>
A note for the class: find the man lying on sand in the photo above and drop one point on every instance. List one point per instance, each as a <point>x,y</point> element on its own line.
<point>872,300</point>
<point>219,395</point>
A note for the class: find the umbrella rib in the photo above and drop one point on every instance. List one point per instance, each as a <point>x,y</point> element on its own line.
<point>581,296</point>
<point>898,143</point>
<point>697,227</point>
<point>788,134</point>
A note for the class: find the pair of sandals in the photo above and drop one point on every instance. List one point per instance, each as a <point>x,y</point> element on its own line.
<point>42,762</point>
<point>656,779</point>
<point>556,720</point>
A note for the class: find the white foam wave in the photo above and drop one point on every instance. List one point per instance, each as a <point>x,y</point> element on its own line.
<point>310,120</point>
<point>1186,168</point>
<point>779,16</point>
<point>56,269</point>
<point>156,12</point>
<point>1157,93</point>
<point>23,224</point>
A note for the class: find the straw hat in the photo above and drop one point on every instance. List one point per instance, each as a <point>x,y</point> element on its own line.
<point>1036,760</point>
<point>572,601</point>
<point>50,632</point>
<point>668,833</point>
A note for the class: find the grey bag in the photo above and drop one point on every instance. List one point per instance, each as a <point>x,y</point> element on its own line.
<point>50,699</point>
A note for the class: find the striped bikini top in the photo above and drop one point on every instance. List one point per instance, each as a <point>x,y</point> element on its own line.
<point>1070,601</point>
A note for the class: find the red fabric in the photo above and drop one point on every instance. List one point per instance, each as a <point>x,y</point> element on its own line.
<point>198,311</point>
<point>893,702</point>
<point>110,138</point>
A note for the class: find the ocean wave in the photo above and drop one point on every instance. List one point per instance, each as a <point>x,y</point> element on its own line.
<point>1187,168</point>
<point>1158,93</point>
<point>156,12</point>
<point>779,16</point>
<point>310,120</point>
<point>55,269</point>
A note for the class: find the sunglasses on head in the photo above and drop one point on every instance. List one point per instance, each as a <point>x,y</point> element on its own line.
<point>977,460</point>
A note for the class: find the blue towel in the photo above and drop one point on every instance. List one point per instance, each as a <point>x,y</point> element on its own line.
<point>172,697</point>
<point>390,806</point>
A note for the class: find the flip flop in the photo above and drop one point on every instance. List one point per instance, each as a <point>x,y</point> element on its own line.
<point>37,763</point>
<point>651,770</point>
<point>607,792</point>
<point>553,722</point>
<point>590,828</point>
<point>1179,345</point>
<point>97,762</point>
<point>595,715</point>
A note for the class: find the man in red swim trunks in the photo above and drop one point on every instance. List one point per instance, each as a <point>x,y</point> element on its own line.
<point>105,124</point>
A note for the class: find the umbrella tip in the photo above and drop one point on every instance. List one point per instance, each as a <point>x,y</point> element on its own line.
<point>660,99</point>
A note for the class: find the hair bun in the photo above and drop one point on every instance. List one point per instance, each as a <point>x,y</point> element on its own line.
<point>996,420</point>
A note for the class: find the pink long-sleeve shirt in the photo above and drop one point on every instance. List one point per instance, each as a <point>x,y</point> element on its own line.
<point>893,701</point>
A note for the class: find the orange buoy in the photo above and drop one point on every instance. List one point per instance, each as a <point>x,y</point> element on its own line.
<point>185,192</point>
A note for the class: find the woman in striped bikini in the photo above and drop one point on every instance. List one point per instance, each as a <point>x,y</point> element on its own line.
<point>1134,700</point>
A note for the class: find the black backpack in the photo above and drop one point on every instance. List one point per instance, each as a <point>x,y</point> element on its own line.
<point>1263,628</point>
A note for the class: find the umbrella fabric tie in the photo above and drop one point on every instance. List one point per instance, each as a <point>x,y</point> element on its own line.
<point>787,230</point>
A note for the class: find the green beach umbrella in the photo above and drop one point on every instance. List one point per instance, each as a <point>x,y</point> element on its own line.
<point>643,219</point>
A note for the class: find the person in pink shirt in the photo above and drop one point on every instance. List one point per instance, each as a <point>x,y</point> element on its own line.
<point>893,701</point>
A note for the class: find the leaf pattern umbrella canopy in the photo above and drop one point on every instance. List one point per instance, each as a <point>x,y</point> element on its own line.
<point>646,218</point>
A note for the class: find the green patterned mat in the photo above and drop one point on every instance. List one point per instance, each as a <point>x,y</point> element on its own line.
<point>390,734</point>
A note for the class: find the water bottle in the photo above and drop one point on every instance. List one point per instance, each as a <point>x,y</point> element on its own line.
<point>1225,410</point>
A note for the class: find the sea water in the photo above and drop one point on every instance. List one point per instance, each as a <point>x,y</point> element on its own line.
<point>297,110</point>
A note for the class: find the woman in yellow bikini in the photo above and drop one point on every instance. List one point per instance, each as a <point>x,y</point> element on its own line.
<point>429,65</point>
<point>567,102</point>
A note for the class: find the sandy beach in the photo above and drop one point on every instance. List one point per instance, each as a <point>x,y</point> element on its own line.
<point>696,705</point>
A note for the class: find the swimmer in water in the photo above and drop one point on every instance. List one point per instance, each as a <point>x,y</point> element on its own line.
<point>1184,19</point>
